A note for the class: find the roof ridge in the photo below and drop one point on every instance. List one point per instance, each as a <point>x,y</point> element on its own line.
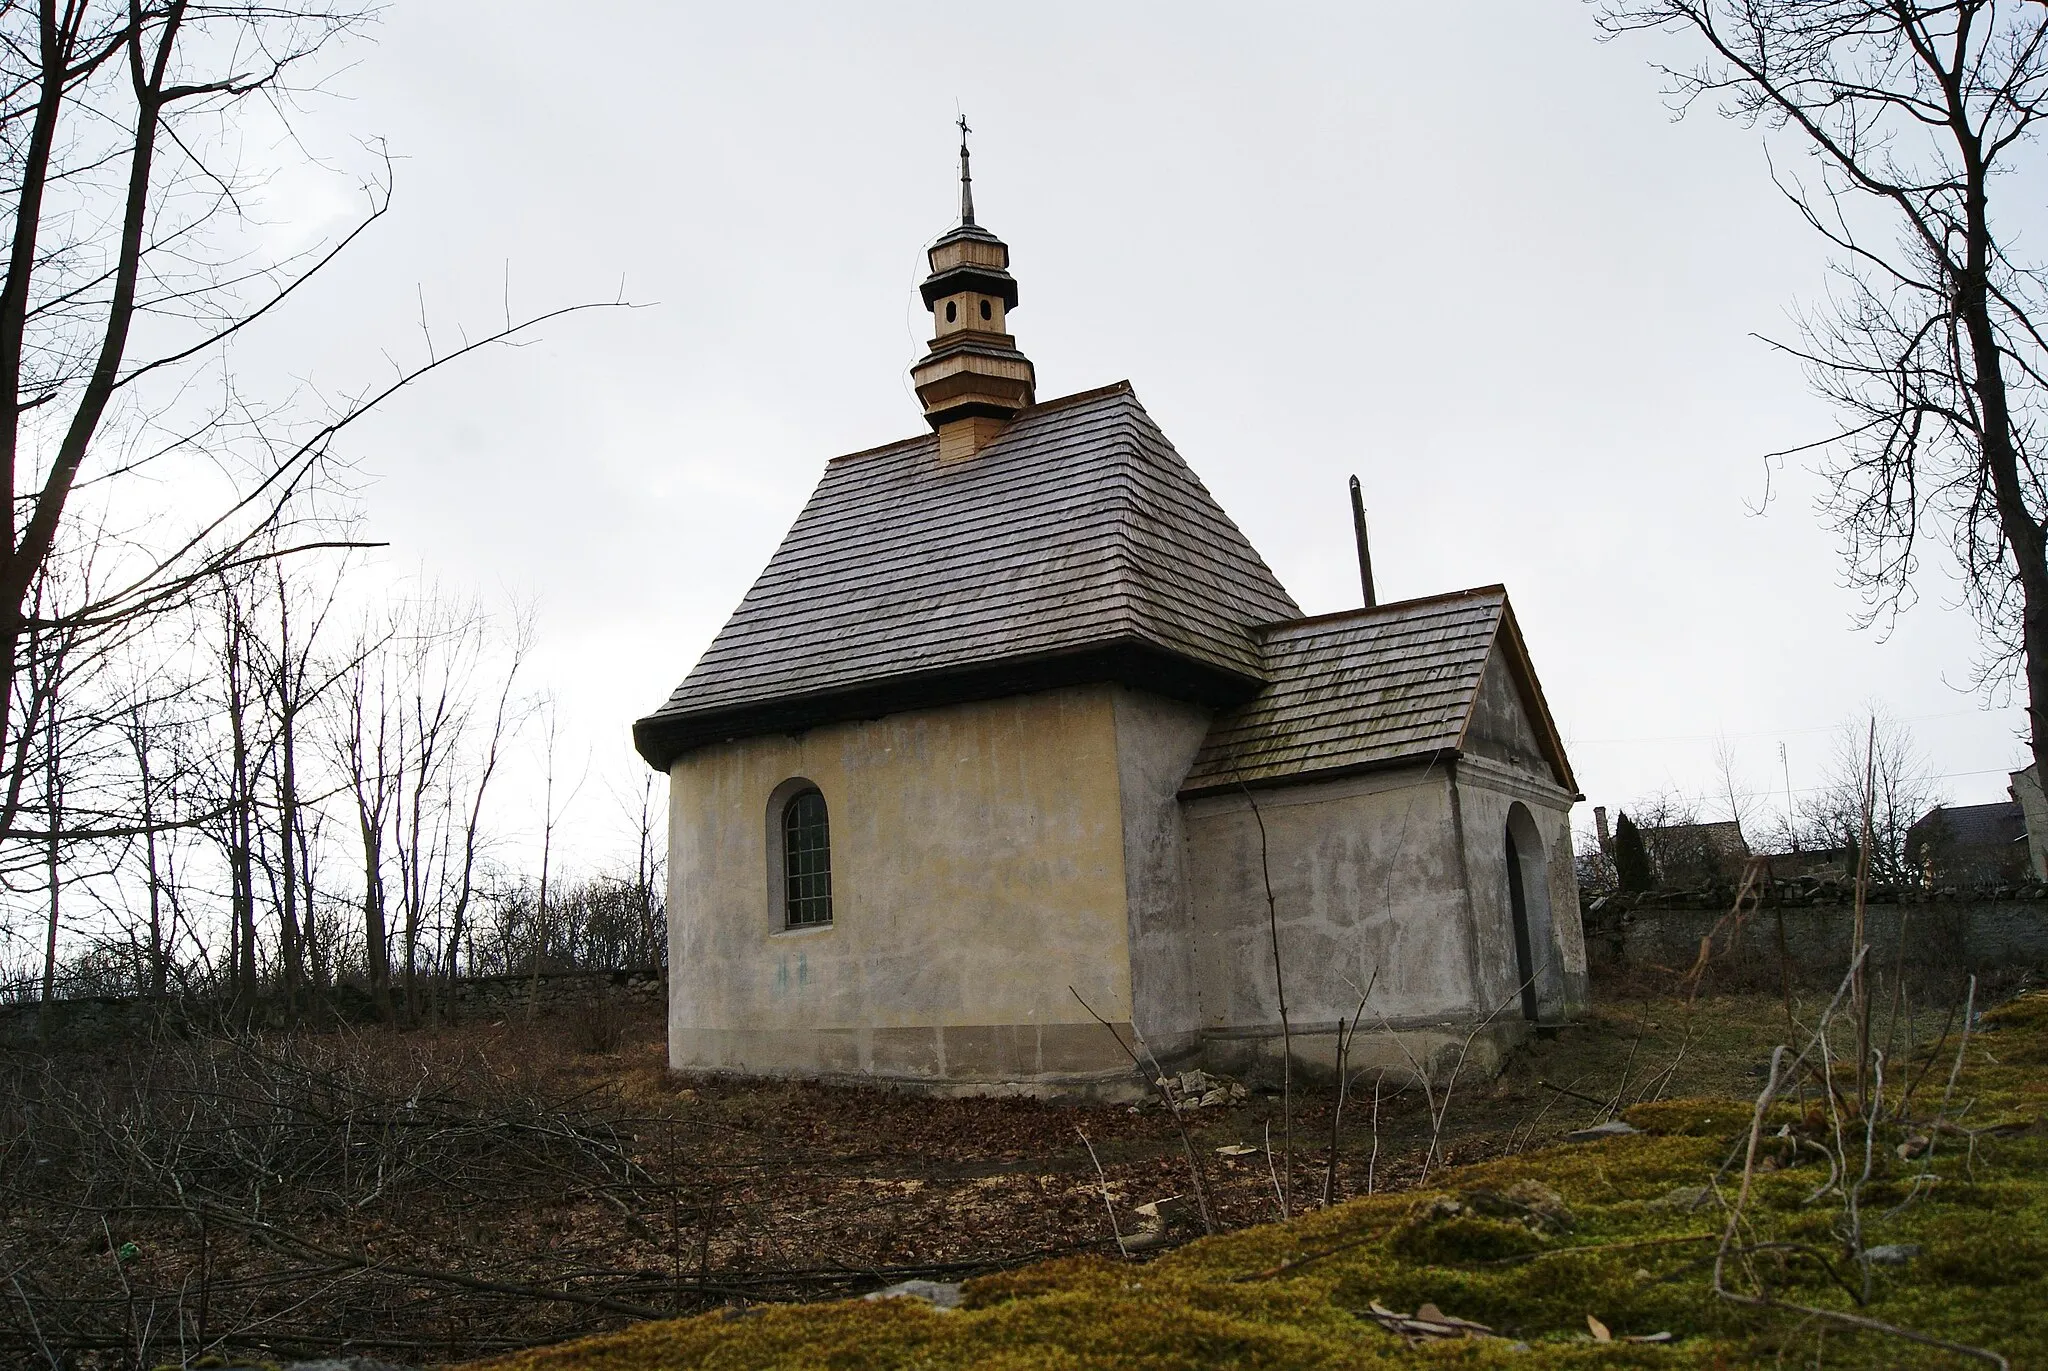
<point>1079,397</point>
<point>879,449</point>
<point>1123,494</point>
<point>1366,611</point>
<point>1162,504</point>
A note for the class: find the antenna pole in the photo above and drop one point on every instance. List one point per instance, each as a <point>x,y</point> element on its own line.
<point>1364,548</point>
<point>1791,817</point>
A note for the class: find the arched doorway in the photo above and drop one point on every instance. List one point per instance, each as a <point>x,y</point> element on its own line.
<point>1528,907</point>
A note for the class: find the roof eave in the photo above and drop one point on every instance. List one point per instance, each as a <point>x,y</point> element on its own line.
<point>662,738</point>
<point>1407,761</point>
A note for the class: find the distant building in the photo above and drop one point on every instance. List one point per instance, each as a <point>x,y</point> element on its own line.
<point>1971,844</point>
<point>2026,793</point>
<point>1696,854</point>
<point>1814,864</point>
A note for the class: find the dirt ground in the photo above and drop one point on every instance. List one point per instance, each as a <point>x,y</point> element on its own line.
<point>439,1194</point>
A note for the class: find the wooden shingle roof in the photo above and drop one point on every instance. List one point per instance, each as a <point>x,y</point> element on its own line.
<point>1076,547</point>
<point>1369,688</point>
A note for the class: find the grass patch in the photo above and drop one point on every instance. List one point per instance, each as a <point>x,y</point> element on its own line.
<point>1626,1230</point>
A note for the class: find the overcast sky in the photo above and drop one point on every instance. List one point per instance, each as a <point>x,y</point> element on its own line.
<point>1463,251</point>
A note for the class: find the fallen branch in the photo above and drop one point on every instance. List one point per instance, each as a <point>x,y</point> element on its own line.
<point>1575,1094</point>
<point>1103,1179</point>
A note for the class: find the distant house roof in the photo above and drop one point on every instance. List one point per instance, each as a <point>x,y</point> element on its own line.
<point>1723,836</point>
<point>1371,688</point>
<point>1996,825</point>
<point>1811,859</point>
<point>1076,547</point>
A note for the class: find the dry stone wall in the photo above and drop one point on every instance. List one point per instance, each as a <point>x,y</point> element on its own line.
<point>2003,930</point>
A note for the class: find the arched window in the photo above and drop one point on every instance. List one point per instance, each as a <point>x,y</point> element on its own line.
<point>806,861</point>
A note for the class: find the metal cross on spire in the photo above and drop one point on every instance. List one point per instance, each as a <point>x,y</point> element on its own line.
<point>966,180</point>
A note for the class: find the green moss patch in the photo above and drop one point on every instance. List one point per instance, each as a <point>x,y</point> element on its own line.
<point>1691,1118</point>
<point>1623,1230</point>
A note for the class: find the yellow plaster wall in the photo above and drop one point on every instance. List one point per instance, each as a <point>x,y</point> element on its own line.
<point>977,872</point>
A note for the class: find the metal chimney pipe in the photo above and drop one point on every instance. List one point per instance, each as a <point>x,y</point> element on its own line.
<point>1364,548</point>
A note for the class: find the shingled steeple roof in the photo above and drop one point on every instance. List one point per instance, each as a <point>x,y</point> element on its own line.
<point>1077,547</point>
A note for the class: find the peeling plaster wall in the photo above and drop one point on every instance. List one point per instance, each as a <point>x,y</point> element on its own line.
<point>1486,793</point>
<point>1506,763</point>
<point>1500,728</point>
<point>1156,742</point>
<point>1365,873</point>
<point>977,872</point>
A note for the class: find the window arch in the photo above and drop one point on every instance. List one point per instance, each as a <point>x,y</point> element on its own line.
<point>806,860</point>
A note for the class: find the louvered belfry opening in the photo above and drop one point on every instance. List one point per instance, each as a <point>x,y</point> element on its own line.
<point>806,861</point>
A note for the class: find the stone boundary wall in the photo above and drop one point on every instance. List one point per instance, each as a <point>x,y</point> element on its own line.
<point>89,1022</point>
<point>1946,934</point>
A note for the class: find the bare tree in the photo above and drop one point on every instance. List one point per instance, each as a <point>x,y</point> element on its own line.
<point>650,898</point>
<point>245,761</point>
<point>427,703</point>
<point>133,269</point>
<point>1874,754</point>
<point>1932,347</point>
<point>140,731</point>
<point>505,717</point>
<point>551,816</point>
<point>364,751</point>
<point>1731,787</point>
<point>53,797</point>
<point>294,679</point>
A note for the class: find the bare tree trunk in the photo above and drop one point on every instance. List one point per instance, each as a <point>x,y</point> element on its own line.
<point>318,959</point>
<point>1933,353</point>
<point>1859,992</point>
<point>547,844</point>
<point>289,943</point>
<point>472,829</point>
<point>652,926</point>
<point>29,554</point>
<point>376,944</point>
<point>363,746</point>
<point>53,783</point>
<point>2001,460</point>
<point>540,911</point>
<point>241,801</point>
<point>156,927</point>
